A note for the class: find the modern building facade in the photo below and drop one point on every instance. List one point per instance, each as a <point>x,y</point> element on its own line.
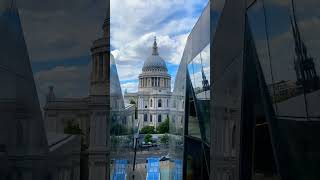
<point>97,116</point>
<point>27,151</point>
<point>263,103</point>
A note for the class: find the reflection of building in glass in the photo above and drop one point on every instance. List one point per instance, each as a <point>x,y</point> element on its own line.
<point>284,90</point>
<point>154,91</point>
<point>205,82</point>
<point>27,151</point>
<point>190,143</point>
<point>261,121</point>
<point>90,115</point>
<point>303,63</point>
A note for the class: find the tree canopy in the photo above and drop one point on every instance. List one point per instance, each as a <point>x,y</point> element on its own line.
<point>163,127</point>
<point>147,130</point>
<point>131,101</point>
<point>148,138</point>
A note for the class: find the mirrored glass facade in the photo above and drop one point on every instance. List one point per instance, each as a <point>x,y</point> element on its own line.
<point>286,49</point>
<point>250,93</point>
<point>189,132</point>
<point>121,130</point>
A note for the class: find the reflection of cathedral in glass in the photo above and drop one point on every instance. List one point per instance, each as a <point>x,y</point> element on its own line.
<point>205,82</point>
<point>303,63</point>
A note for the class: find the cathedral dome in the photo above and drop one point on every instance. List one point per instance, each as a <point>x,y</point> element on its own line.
<point>154,62</point>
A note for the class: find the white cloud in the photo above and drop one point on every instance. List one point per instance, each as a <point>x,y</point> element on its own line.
<point>134,23</point>
<point>68,82</point>
<point>129,86</point>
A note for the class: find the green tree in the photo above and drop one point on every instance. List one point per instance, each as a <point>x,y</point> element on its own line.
<point>164,139</point>
<point>148,138</point>
<point>163,127</point>
<point>147,130</point>
<point>131,101</point>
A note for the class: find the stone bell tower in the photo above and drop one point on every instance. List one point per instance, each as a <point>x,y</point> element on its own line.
<point>99,106</point>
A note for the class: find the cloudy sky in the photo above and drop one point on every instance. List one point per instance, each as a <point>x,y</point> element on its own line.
<point>134,23</point>
<point>59,35</point>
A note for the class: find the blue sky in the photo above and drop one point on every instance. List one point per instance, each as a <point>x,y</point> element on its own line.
<point>59,35</point>
<point>134,23</point>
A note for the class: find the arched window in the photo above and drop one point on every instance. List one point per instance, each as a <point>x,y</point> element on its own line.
<point>145,118</point>
<point>151,103</point>
<point>233,141</point>
<point>150,117</point>
<point>159,118</point>
<point>159,103</point>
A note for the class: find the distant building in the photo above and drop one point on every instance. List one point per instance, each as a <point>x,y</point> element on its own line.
<point>284,90</point>
<point>154,91</point>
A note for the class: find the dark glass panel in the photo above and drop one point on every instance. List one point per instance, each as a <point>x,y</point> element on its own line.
<point>193,121</point>
<point>287,87</point>
<point>196,160</point>
<point>308,26</point>
<point>199,70</point>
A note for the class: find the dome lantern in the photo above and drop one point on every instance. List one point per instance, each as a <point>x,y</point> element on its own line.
<point>155,62</point>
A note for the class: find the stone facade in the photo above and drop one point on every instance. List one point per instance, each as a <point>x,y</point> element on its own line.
<point>154,91</point>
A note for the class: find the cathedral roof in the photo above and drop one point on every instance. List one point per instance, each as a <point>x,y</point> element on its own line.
<point>154,61</point>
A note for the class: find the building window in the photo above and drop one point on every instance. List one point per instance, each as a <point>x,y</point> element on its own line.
<point>167,102</point>
<point>145,118</point>
<point>159,118</point>
<point>159,103</point>
<point>150,117</point>
<point>151,103</point>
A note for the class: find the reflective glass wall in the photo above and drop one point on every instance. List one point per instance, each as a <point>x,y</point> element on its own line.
<point>190,104</point>
<point>121,130</point>
<point>286,39</point>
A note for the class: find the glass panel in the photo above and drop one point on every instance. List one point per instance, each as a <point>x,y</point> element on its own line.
<point>308,26</point>
<point>257,25</point>
<point>291,40</point>
<point>199,70</point>
<point>122,128</point>
<point>198,39</point>
<point>287,88</point>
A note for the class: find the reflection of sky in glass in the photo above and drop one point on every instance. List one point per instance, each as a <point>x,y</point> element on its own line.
<point>280,34</point>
